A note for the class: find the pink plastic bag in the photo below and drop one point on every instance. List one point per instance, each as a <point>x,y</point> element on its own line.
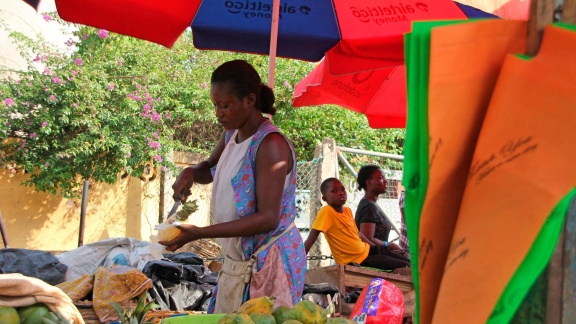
<point>380,302</point>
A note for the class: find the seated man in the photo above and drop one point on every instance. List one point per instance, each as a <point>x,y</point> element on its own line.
<point>348,245</point>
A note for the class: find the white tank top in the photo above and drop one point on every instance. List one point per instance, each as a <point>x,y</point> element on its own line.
<point>223,202</point>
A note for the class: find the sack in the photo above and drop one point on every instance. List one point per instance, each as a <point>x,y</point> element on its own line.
<point>380,302</point>
<point>232,281</point>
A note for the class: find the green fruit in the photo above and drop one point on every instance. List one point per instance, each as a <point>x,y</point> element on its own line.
<point>340,320</point>
<point>33,314</point>
<point>282,314</point>
<point>236,318</point>
<point>309,313</point>
<point>9,315</point>
<point>292,321</point>
<point>260,318</point>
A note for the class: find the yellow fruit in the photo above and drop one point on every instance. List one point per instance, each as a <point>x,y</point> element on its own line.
<point>259,318</point>
<point>235,318</point>
<point>309,313</point>
<point>168,234</point>
<point>282,314</point>
<point>263,305</point>
<point>9,315</point>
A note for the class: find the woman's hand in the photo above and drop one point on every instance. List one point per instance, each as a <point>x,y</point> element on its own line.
<point>394,247</point>
<point>188,233</point>
<point>183,184</point>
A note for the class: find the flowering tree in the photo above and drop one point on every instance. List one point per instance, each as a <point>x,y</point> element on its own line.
<point>105,104</point>
<point>81,112</point>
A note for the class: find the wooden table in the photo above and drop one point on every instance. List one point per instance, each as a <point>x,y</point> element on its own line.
<point>345,276</point>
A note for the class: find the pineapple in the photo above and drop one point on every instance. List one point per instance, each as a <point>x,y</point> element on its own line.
<point>182,215</point>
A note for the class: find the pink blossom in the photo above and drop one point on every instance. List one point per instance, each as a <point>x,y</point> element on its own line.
<point>168,115</point>
<point>287,84</point>
<point>74,72</point>
<point>158,158</point>
<point>128,154</point>
<point>111,86</point>
<point>36,59</point>
<point>71,78</point>
<point>132,96</point>
<point>146,110</point>
<point>78,61</point>
<point>103,33</point>
<point>52,97</point>
<point>44,57</point>
<point>119,63</point>
<point>154,144</point>
<point>85,36</point>
<point>60,155</point>
<point>156,116</point>
<point>32,135</point>
<point>159,99</point>
<point>47,164</point>
<point>69,42</point>
<point>44,124</point>
<point>46,17</point>
<point>27,104</point>
<point>156,135</point>
<point>75,105</point>
<point>47,71</point>
<point>56,80</point>
<point>164,168</point>
<point>204,85</point>
<point>23,143</point>
<point>9,102</point>
<point>29,84</point>
<point>17,81</point>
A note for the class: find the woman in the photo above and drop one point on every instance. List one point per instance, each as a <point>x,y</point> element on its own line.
<point>253,193</point>
<point>371,221</point>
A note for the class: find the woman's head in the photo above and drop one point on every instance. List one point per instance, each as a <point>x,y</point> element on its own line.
<point>371,177</point>
<point>244,81</point>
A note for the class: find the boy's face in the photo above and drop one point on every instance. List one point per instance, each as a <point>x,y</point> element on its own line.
<point>335,194</point>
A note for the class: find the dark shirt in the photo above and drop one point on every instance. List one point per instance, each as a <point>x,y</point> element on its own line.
<point>368,212</point>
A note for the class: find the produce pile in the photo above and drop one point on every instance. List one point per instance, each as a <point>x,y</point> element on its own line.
<point>261,311</point>
<point>33,314</point>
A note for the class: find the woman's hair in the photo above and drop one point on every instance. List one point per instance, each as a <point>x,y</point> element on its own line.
<point>364,174</point>
<point>244,80</point>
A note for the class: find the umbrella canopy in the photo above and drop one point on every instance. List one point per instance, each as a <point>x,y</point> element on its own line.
<point>380,94</point>
<point>306,29</point>
<point>368,84</point>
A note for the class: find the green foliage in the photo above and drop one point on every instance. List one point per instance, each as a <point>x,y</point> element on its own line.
<point>104,104</point>
<point>136,315</point>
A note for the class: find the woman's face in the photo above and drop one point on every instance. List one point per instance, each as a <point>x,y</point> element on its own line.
<point>232,112</point>
<point>378,181</point>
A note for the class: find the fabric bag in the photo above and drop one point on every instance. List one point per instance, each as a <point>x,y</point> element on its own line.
<point>235,275</point>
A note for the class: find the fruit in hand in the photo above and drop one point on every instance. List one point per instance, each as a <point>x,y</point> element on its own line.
<point>182,215</point>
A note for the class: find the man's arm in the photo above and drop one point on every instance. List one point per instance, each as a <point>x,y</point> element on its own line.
<point>312,236</point>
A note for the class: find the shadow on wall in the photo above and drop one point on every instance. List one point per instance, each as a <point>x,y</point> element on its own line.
<point>42,221</point>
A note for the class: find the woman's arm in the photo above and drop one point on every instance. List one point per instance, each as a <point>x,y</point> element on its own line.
<point>312,237</point>
<point>368,230</point>
<point>273,160</point>
<point>365,239</point>
<point>199,173</point>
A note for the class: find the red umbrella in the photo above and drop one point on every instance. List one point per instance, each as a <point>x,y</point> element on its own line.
<point>380,94</point>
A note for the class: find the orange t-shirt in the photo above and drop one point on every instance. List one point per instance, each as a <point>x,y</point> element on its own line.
<point>342,235</point>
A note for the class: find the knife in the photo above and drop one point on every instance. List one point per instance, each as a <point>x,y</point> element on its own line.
<point>177,204</point>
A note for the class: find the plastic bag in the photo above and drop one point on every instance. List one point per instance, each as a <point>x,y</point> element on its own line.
<point>380,302</point>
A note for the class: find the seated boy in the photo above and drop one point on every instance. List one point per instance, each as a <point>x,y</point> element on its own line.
<point>346,242</point>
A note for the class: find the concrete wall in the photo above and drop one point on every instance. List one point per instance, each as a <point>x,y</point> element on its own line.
<point>41,221</point>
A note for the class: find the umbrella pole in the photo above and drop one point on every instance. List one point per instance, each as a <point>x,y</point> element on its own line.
<point>273,42</point>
